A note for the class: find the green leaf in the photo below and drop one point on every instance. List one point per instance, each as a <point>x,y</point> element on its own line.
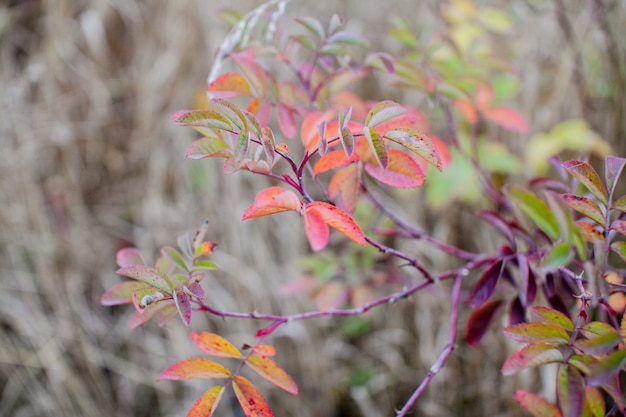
<point>204,266</point>
<point>553,316</point>
<point>620,204</point>
<point>347,38</point>
<point>313,25</point>
<point>559,256</point>
<point>620,249</point>
<point>229,111</point>
<point>587,176</point>
<point>377,144</point>
<point>607,368</point>
<point>173,255</point>
<point>416,142</point>
<point>585,206</point>
<point>148,275</point>
<point>536,209</point>
<point>534,332</point>
<point>195,368</point>
<point>205,118</point>
<point>570,391</point>
<point>382,112</point>
<point>208,147</point>
<point>536,405</point>
<point>243,143</point>
<point>531,355</point>
<point>600,344</point>
<point>594,403</point>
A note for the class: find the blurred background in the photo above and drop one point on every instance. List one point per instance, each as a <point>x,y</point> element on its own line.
<point>91,162</point>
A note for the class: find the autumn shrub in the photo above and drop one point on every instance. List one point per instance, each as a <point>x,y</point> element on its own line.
<point>289,112</point>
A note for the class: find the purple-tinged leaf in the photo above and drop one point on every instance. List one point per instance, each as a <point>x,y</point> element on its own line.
<point>139,318</point>
<point>347,38</point>
<point>266,331</point>
<point>122,293</point>
<point>269,145</point>
<point>613,387</point>
<point>536,405</point>
<point>381,61</point>
<point>347,141</point>
<point>594,403</point>
<point>536,209</point>
<point>484,288</point>
<point>196,289</point>
<point>207,403</point>
<point>500,224</point>
<point>549,315</point>
<point>517,312</point>
<point>557,303</point>
<point>548,184</point>
<point>613,167</point>
<point>619,226</point>
<point>531,355</point>
<point>129,257</point>
<point>570,391</point>
<point>620,249</point>
<point>479,322</point>
<point>587,176</point>
<point>600,344</point>
<point>183,304</point>
<point>585,206</point>
<point>147,274</point>
<point>194,368</point>
<point>377,144</point>
<point>528,283</point>
<point>537,332</point>
<point>607,368</point>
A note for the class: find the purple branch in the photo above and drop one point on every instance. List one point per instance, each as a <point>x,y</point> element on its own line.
<point>445,354</point>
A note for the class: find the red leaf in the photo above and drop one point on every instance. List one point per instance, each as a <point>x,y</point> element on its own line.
<point>316,230</point>
<point>266,331</point>
<point>570,391</point>
<point>531,355</point>
<point>121,293</point>
<point>401,172</point>
<point>272,200</point>
<point>128,257</point>
<point>287,121</point>
<point>344,187</point>
<point>587,176</point>
<point>337,219</point>
<point>215,345</point>
<point>229,86</point>
<point>590,232</point>
<point>147,274</point>
<point>479,321</point>
<point>206,404</point>
<point>250,399</point>
<point>584,206</point>
<point>270,370</point>
<point>264,350</point>
<point>484,288</point>
<point>195,368</point>
<point>536,404</point>
<point>507,118</point>
<point>332,160</point>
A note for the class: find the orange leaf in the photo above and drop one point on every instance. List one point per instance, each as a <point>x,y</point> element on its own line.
<point>195,368</point>
<point>215,345</point>
<point>338,219</point>
<point>270,370</point>
<point>467,109</point>
<point>250,399</point>
<point>272,200</point>
<point>265,350</point>
<point>261,109</point>
<point>205,406</point>
<point>332,160</point>
<point>205,248</point>
<point>316,230</point>
<point>229,86</point>
<point>483,98</point>
<point>287,121</point>
<point>344,187</point>
<point>507,118</point>
<point>402,171</point>
<point>535,404</point>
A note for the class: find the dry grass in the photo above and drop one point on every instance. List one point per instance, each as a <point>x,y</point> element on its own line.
<point>90,162</point>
